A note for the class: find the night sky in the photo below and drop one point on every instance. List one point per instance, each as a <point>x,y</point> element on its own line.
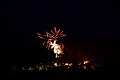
<point>90,26</point>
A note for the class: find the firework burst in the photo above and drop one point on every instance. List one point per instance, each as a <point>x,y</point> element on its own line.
<point>54,35</point>
<point>52,38</point>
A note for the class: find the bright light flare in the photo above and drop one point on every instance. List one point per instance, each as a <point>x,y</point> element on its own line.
<point>57,48</point>
<point>55,64</point>
<point>85,62</point>
<point>66,64</point>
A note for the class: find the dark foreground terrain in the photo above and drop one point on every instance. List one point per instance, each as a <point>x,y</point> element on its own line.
<point>58,74</point>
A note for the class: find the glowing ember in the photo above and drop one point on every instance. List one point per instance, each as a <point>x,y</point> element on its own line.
<point>70,64</point>
<point>92,67</point>
<point>84,67</point>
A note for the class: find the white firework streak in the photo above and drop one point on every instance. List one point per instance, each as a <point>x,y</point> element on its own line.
<point>56,48</point>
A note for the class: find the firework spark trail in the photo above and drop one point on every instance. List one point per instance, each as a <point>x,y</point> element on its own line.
<point>51,40</point>
<point>40,36</point>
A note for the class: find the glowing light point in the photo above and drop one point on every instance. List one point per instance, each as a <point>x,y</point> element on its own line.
<point>85,62</point>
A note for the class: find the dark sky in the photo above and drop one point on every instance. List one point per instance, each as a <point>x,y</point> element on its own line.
<point>90,25</point>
